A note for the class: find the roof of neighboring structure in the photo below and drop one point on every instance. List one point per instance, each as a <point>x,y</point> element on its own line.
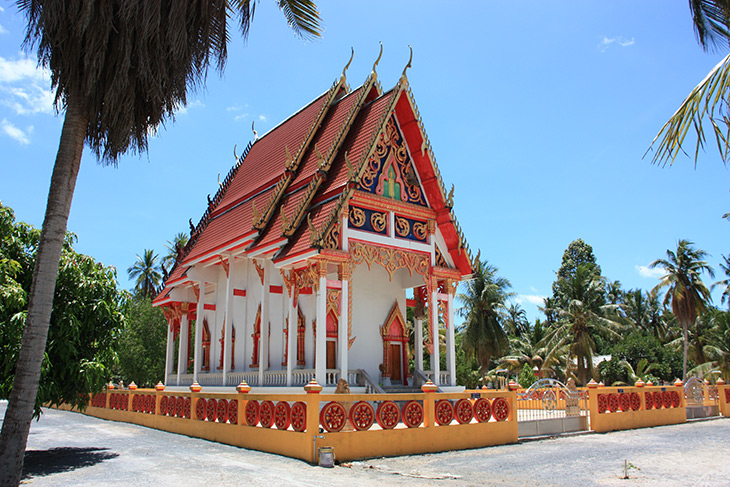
<point>286,192</point>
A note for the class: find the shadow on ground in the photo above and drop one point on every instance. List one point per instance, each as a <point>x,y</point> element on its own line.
<point>38,463</point>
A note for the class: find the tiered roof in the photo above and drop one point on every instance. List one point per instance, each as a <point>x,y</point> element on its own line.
<point>286,192</point>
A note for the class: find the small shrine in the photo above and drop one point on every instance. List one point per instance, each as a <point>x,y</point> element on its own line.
<point>305,262</point>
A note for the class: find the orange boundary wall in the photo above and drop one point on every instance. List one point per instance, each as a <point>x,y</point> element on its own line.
<point>348,445</point>
<point>631,419</point>
<point>723,400</point>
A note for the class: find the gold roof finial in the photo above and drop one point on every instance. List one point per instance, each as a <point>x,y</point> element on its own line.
<point>255,134</point>
<point>379,56</point>
<point>409,61</point>
<point>348,62</point>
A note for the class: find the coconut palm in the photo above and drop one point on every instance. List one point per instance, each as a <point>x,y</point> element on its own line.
<point>483,304</point>
<point>515,320</point>
<point>709,99</point>
<point>579,322</point>
<point>147,273</point>
<point>686,292</point>
<point>119,70</point>
<point>725,282</point>
<point>643,310</point>
<point>174,251</point>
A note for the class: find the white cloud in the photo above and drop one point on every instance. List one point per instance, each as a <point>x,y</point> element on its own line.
<point>606,42</point>
<point>262,118</point>
<point>192,104</point>
<point>24,87</point>
<point>645,271</point>
<point>241,116</point>
<point>16,133</point>
<point>535,299</point>
<point>3,30</point>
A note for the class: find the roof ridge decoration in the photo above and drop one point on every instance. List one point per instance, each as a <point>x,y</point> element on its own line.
<point>448,197</point>
<point>291,164</point>
<point>326,161</point>
<point>318,236</point>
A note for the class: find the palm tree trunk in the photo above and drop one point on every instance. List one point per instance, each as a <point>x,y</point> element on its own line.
<point>19,413</point>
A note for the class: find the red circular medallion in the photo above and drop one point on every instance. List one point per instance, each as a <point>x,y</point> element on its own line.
<point>333,417</point>
<point>200,408</point>
<point>613,402</point>
<point>187,407</point>
<point>299,416</point>
<point>675,399</point>
<point>413,414</point>
<point>500,409</point>
<point>648,400</point>
<point>282,415</point>
<point>482,409</point>
<point>388,415</point>
<point>464,411</point>
<point>233,411</point>
<point>444,412</point>
<point>266,414</point>
<point>624,401</point>
<point>602,403</point>
<point>635,400</point>
<point>222,411</point>
<point>362,416</point>
<point>252,413</point>
<point>211,409</point>
<point>658,400</point>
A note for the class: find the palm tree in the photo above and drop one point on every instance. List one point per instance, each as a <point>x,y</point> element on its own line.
<point>581,320</point>
<point>119,70</point>
<point>483,299</point>
<point>686,292</point>
<point>709,99</point>
<point>147,272</point>
<point>643,310</point>
<point>725,282</point>
<point>174,248</point>
<point>515,320</point>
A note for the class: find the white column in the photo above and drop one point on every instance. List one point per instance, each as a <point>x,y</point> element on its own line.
<point>342,338</point>
<point>435,356</point>
<point>418,324</point>
<point>169,354</point>
<point>264,339</point>
<point>320,361</point>
<point>228,319</point>
<point>451,342</point>
<point>197,358</point>
<point>182,349</point>
<point>291,338</point>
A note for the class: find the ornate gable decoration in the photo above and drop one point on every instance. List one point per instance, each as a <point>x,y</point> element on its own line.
<point>389,171</point>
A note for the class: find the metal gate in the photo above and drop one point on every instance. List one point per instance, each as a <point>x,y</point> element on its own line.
<point>550,407</point>
<point>701,399</point>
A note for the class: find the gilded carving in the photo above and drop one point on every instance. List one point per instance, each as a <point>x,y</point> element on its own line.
<point>402,226</point>
<point>420,230</point>
<point>379,221</point>
<point>390,259</point>
<point>332,240</point>
<point>357,217</point>
<point>259,270</point>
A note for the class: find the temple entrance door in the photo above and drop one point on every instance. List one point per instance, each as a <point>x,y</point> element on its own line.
<point>331,354</point>
<point>395,356</point>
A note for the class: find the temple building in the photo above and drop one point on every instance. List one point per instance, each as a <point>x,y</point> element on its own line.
<point>304,264</point>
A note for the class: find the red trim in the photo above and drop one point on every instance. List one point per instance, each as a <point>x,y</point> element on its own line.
<point>276,289</point>
<point>332,284</point>
<point>305,290</point>
<point>264,187</point>
<point>294,187</point>
<point>239,292</point>
<point>209,307</point>
<point>244,239</point>
<point>410,303</point>
<point>394,247</point>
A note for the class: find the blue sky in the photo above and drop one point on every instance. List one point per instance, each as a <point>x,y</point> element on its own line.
<point>538,112</point>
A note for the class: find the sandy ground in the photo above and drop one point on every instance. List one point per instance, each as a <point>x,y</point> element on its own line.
<point>67,448</point>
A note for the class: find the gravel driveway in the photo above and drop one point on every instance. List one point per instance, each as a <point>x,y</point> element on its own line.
<point>67,448</point>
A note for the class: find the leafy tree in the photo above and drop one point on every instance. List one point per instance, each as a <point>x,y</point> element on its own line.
<point>582,319</point>
<point>119,70</point>
<point>577,254</point>
<point>483,300</point>
<point>725,282</point>
<point>515,320</point>
<point>147,272</point>
<point>709,99</point>
<point>644,312</point>
<point>174,251</point>
<point>686,292</point>
<point>526,377</point>
<point>142,343</point>
<point>666,363</point>
<point>86,318</point>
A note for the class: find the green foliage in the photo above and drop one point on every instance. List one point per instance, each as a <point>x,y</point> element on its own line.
<point>527,376</point>
<point>142,343</point>
<point>577,254</point>
<point>85,320</point>
<point>666,364</point>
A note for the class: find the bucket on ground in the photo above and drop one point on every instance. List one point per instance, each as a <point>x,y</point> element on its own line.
<point>326,456</point>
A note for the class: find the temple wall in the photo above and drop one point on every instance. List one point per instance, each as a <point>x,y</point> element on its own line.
<point>372,299</point>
